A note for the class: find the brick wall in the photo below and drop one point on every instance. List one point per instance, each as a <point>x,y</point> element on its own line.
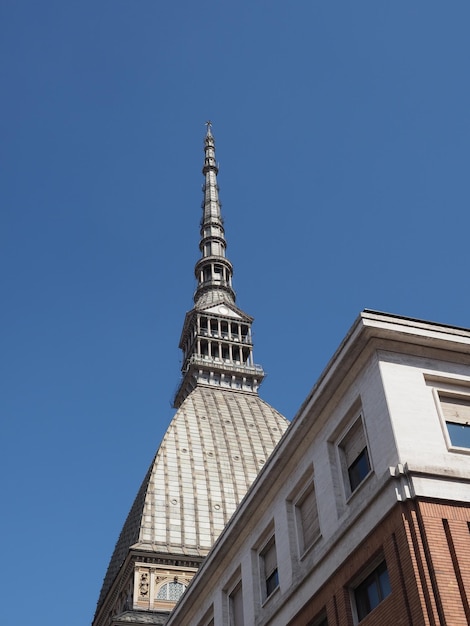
<point>426,546</point>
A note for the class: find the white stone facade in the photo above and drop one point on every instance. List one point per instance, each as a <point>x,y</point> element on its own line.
<point>380,390</point>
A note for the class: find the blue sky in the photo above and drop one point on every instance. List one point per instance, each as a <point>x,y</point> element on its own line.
<point>343,134</point>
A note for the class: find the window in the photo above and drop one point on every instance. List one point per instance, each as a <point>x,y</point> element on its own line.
<point>456,411</point>
<point>268,566</point>
<point>236,606</point>
<point>171,591</point>
<point>321,620</point>
<point>372,590</point>
<point>306,514</point>
<point>359,469</point>
<point>218,272</point>
<point>208,619</point>
<point>355,456</point>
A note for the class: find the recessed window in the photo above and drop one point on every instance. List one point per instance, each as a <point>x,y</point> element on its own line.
<point>306,514</point>
<point>321,620</point>
<point>236,606</point>
<point>372,590</point>
<point>355,456</point>
<point>359,469</point>
<point>268,566</point>
<point>456,411</point>
<point>208,619</point>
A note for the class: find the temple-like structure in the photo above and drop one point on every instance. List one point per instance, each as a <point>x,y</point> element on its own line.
<point>213,449</point>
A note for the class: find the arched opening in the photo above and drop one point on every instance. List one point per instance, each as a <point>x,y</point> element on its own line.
<point>171,591</point>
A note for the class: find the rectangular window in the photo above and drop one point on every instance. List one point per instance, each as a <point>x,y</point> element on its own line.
<point>359,469</point>
<point>372,590</point>
<point>321,620</point>
<point>456,411</point>
<point>268,566</point>
<point>236,606</point>
<point>306,513</point>
<point>355,456</point>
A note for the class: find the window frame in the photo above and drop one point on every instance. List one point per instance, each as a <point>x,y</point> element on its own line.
<point>370,578</point>
<point>270,574</point>
<point>167,584</point>
<point>356,432</point>
<point>208,619</point>
<point>233,596</point>
<point>356,475</point>
<point>319,620</point>
<point>461,394</point>
<point>304,542</point>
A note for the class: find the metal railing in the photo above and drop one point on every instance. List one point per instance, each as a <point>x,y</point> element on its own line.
<point>220,364</point>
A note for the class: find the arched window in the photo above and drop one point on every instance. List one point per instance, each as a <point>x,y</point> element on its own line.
<point>171,591</point>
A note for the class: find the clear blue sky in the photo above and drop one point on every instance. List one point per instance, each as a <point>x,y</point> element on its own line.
<point>343,134</point>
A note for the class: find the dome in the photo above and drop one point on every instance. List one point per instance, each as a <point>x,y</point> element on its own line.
<point>212,451</point>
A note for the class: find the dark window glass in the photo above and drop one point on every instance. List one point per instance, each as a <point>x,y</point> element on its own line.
<point>269,568</point>
<point>272,582</point>
<point>319,621</point>
<point>372,591</point>
<point>359,469</point>
<point>459,434</point>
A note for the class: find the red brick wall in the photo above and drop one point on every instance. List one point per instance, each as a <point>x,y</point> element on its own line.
<point>445,528</point>
<point>427,549</point>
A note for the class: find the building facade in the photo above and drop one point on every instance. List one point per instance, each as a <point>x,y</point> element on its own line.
<point>358,512</point>
<point>362,513</point>
<point>220,437</point>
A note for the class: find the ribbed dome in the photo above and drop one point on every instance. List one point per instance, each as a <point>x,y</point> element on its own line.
<point>212,297</point>
<point>212,451</point>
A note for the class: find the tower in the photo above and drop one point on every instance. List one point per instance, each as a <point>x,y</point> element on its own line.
<point>218,440</point>
<point>216,338</point>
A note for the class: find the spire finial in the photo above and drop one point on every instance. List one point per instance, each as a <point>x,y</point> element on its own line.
<point>209,127</point>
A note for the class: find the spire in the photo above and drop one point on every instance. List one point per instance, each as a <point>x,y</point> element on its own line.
<point>213,270</point>
<point>216,338</point>
<point>213,449</point>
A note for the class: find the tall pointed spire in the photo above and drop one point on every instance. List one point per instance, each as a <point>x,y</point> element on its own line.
<point>216,338</point>
<point>213,270</point>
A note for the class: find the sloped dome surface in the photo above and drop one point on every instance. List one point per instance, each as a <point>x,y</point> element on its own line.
<point>212,451</point>
<point>213,296</point>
